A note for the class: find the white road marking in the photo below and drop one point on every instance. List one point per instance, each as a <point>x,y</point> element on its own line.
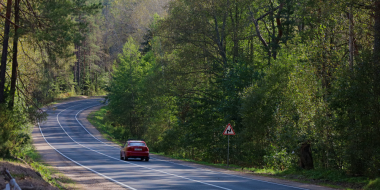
<point>132,163</point>
<point>81,164</point>
<point>182,164</point>
<point>88,131</point>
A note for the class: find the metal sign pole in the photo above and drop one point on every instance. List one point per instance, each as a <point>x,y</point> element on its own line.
<point>228,150</point>
<point>228,131</point>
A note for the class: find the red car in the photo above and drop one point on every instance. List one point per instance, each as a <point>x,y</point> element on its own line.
<point>134,149</point>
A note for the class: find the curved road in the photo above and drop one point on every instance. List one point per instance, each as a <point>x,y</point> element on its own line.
<point>64,133</point>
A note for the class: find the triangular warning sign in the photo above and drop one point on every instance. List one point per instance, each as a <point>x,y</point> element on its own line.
<point>229,130</point>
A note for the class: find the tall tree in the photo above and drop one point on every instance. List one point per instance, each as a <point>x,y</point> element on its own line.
<point>15,53</point>
<point>4,55</point>
<point>376,44</point>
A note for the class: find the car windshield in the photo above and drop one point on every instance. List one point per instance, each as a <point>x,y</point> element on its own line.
<point>136,144</point>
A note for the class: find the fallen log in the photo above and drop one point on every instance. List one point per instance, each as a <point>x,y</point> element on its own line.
<point>12,185</point>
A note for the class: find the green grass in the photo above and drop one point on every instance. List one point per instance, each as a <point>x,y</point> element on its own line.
<point>329,178</point>
<point>373,185</point>
<point>322,174</point>
<point>48,173</point>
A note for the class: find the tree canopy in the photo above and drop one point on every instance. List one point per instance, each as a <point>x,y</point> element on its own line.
<point>297,79</point>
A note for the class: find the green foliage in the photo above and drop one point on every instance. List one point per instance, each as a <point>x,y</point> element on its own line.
<point>278,71</point>
<point>47,34</point>
<point>355,103</point>
<point>14,131</point>
<point>125,88</point>
<point>133,106</point>
<point>278,110</point>
<point>373,184</point>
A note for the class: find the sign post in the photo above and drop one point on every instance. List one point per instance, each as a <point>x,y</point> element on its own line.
<point>228,131</point>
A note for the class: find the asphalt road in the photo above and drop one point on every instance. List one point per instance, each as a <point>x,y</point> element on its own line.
<point>71,139</point>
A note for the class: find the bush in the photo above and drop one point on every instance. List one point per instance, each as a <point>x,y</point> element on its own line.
<point>13,131</point>
<point>373,185</point>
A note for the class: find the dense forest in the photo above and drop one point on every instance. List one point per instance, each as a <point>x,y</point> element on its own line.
<point>299,80</point>
<point>57,49</point>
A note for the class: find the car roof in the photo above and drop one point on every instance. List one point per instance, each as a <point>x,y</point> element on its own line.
<point>135,141</point>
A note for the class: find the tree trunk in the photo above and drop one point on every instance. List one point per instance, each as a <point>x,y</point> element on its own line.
<point>376,66</point>
<point>15,52</point>
<point>3,66</point>
<point>84,70</point>
<point>235,23</point>
<point>79,61</point>
<point>306,159</point>
<point>376,45</point>
<point>76,62</point>
<point>89,66</point>
<point>351,39</point>
<point>96,81</point>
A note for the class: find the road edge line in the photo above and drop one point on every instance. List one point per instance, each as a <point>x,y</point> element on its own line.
<point>113,180</point>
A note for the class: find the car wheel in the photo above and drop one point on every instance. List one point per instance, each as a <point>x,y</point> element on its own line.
<point>126,158</point>
<point>147,159</point>
<point>121,158</point>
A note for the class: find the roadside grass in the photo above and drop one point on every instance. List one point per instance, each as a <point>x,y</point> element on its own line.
<point>329,178</point>
<point>96,118</point>
<point>48,173</point>
<point>373,184</point>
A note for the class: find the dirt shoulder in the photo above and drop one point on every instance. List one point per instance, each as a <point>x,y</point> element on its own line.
<point>84,179</point>
<point>24,175</point>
